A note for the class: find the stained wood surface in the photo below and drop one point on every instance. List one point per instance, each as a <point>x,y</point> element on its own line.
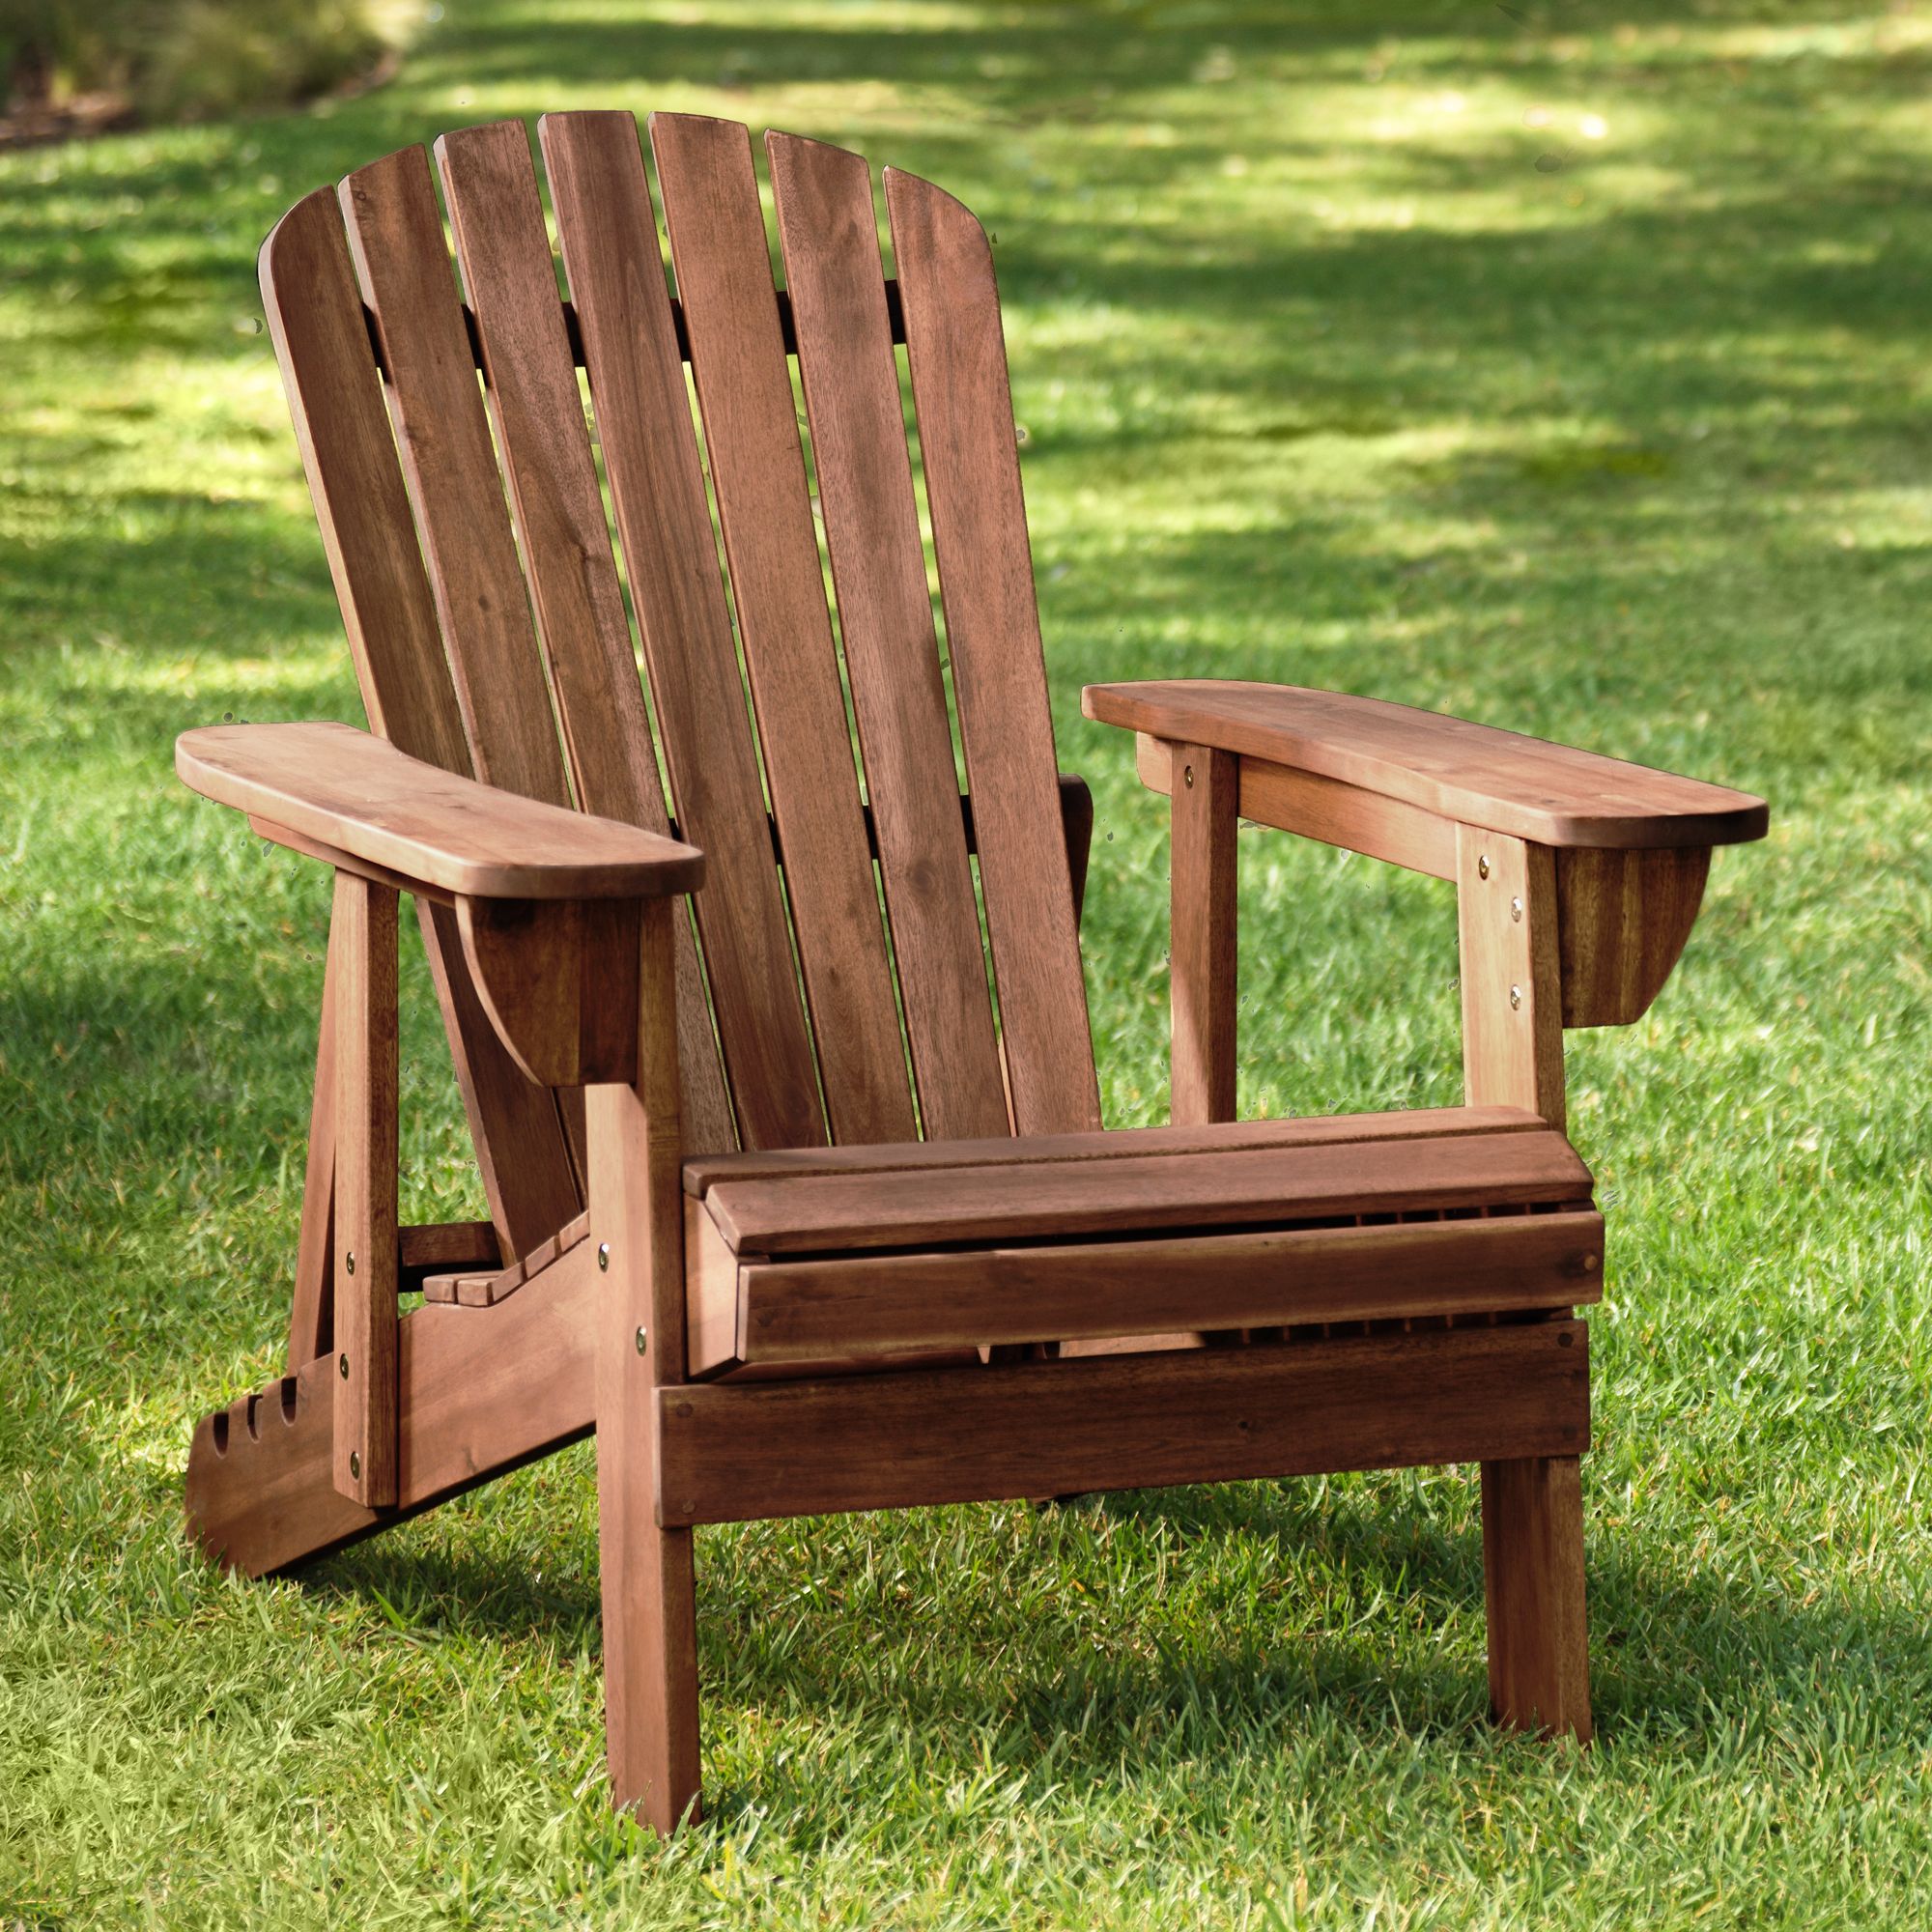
<point>1512,988</point>
<point>1340,815</point>
<point>316,322</point>
<point>611,252</point>
<point>479,1393</point>
<point>1623,920</point>
<point>636,1232</point>
<point>735,1453</point>
<point>1202,949</point>
<point>956,354</point>
<point>716,232</point>
<point>705,1171</point>
<point>841,1212</point>
<point>366,1242</point>
<point>1534,1595</point>
<point>802,1311</point>
<point>480,1289</point>
<point>830,238</point>
<point>360,793</point>
<point>1471,773</point>
<point>312,1307</point>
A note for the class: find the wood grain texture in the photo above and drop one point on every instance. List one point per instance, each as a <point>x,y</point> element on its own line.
<point>490,183</point>
<point>1534,1591</point>
<point>1473,774</point>
<point>737,1452</point>
<point>829,234</point>
<point>1623,919</point>
<point>366,1241</point>
<point>317,324</point>
<point>1340,815</point>
<point>956,353</point>
<point>650,1635</point>
<point>803,1311</point>
<point>480,1392</point>
<point>717,231</point>
<point>1512,991</point>
<point>402,261</point>
<point>1141,1193</point>
<point>1202,942</point>
<point>611,252</point>
<point>705,1171</point>
<point>312,1307</point>
<point>486,1289</point>
<point>364,795</point>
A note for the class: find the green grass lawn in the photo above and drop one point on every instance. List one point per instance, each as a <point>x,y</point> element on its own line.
<point>1564,365</point>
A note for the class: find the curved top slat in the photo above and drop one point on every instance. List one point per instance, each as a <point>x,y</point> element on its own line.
<point>829,232</point>
<point>957,355</point>
<point>722,262</point>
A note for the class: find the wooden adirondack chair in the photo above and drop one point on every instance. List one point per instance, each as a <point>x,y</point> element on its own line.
<point>745,1139</point>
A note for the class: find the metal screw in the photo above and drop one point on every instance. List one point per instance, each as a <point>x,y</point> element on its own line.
<point>643,1339</point>
<point>1515,910</point>
<point>342,1366</point>
<point>1482,864</point>
<point>1591,1263</point>
<point>1188,773</point>
<point>603,1255</point>
<point>355,1467</point>
<point>349,1260</point>
<point>1515,997</point>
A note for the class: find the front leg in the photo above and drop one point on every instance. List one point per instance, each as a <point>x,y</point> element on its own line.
<point>1532,1508</point>
<point>650,1631</point>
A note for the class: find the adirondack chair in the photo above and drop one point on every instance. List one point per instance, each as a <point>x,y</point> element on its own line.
<point>788,1203</point>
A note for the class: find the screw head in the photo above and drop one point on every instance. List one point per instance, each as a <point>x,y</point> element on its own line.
<point>1482,864</point>
<point>1515,997</point>
<point>1187,773</point>
<point>603,1255</point>
<point>349,1260</point>
<point>1515,910</point>
<point>1591,1264</point>
<point>342,1366</point>
<point>355,1465</point>
<point>643,1339</point>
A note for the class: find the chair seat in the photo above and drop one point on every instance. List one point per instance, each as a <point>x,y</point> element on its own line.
<point>802,1257</point>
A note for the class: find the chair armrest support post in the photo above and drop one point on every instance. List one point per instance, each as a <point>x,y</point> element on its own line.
<point>1201,940</point>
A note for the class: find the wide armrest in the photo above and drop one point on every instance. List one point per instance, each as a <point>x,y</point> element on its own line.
<point>356,794</point>
<point>1471,774</point>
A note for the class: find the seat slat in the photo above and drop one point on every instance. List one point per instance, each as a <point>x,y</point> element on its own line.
<point>315,319</point>
<point>723,263</point>
<point>1031,1201</point>
<point>803,1310</point>
<point>964,408</point>
<point>829,232</point>
<point>671,557</point>
<point>507,266</point>
<point>1221,1137</point>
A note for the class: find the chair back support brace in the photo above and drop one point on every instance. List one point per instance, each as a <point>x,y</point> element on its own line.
<point>798,1192</point>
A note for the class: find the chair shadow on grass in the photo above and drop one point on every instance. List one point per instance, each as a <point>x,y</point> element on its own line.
<point>1675,1649</point>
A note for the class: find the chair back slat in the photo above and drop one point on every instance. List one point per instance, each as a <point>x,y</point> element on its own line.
<point>316,321</point>
<point>396,237</point>
<point>504,250</point>
<point>956,353</point>
<point>829,234</point>
<point>663,520</point>
<point>723,263</point>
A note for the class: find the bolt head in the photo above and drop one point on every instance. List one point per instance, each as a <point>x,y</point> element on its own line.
<point>1515,997</point>
<point>603,1255</point>
<point>342,1366</point>
<point>1592,1263</point>
<point>643,1339</point>
<point>1482,864</point>
<point>349,1260</point>
<point>355,1465</point>
<point>1515,910</point>
<point>1187,775</point>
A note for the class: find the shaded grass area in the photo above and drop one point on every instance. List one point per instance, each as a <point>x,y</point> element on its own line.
<point>1561,366</point>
